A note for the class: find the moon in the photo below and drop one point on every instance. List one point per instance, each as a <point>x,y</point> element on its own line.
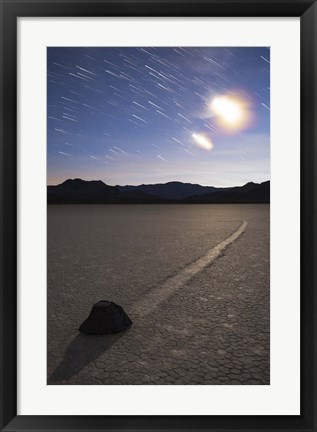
<point>231,112</point>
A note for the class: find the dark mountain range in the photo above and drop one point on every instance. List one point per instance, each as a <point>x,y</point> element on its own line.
<point>79,191</point>
<point>171,190</point>
<point>249,193</point>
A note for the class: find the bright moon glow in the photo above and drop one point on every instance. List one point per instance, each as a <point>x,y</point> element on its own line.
<point>231,112</point>
<point>203,141</point>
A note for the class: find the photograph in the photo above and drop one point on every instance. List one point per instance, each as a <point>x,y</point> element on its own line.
<point>158,215</point>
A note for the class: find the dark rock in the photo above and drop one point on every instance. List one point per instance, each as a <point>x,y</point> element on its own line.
<point>105,318</point>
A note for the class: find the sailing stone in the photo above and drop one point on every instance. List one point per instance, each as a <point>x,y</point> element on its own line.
<point>105,317</point>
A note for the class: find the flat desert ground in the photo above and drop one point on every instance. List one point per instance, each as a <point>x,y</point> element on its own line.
<point>199,316</point>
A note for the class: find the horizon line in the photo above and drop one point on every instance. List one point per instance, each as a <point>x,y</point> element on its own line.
<point>159,183</point>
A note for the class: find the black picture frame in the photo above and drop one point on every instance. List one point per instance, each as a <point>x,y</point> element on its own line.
<point>10,11</point>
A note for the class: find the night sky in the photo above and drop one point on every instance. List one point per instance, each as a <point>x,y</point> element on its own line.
<point>153,115</point>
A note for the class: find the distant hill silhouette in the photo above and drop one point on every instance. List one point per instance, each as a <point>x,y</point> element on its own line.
<point>249,193</point>
<point>77,191</point>
<point>171,190</point>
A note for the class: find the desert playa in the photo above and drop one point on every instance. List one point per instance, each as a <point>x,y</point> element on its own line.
<point>200,315</point>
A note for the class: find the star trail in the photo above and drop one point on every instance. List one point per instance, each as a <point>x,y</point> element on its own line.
<point>153,115</point>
